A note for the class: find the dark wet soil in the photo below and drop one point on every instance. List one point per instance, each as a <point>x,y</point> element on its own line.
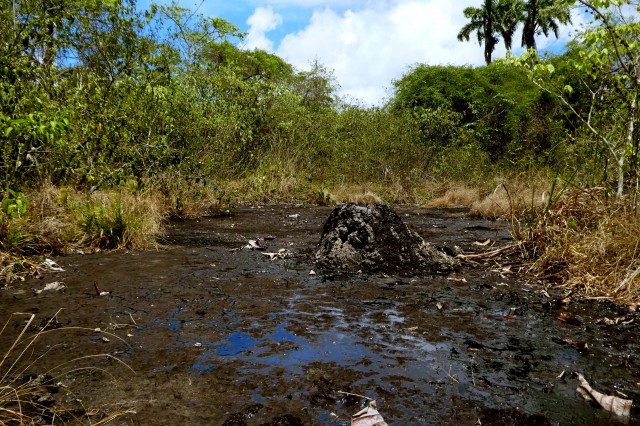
<point>222,337</point>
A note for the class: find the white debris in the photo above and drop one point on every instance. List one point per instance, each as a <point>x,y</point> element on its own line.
<point>54,286</point>
<point>613,404</point>
<point>368,417</point>
<point>280,254</point>
<point>52,266</point>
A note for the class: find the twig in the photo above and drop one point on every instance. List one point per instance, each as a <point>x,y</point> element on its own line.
<point>450,376</point>
<point>628,279</point>
<point>472,378</point>
<point>355,394</point>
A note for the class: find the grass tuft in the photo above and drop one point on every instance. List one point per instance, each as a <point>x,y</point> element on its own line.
<point>116,220</point>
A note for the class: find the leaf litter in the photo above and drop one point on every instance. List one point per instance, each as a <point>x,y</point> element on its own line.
<point>613,404</point>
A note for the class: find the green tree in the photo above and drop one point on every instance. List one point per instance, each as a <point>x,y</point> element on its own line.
<point>494,106</point>
<point>508,16</point>
<point>496,18</point>
<point>542,17</point>
<point>607,59</point>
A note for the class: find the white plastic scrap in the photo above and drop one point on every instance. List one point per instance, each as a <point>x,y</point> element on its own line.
<point>251,245</point>
<point>52,266</point>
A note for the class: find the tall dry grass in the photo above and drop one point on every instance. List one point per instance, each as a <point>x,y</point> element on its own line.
<point>589,244</point>
<point>497,198</point>
<point>63,218</point>
<point>60,220</point>
<point>580,239</point>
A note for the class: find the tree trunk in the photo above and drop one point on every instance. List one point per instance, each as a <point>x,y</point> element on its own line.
<point>529,30</point>
<point>630,142</point>
<point>620,189</point>
<point>489,39</point>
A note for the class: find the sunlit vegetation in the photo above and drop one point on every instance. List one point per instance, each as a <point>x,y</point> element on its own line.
<point>114,119</point>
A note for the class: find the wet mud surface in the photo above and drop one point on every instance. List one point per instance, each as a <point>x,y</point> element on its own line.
<point>221,336</point>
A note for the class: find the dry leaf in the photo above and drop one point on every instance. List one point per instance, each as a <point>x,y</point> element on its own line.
<point>566,318</point>
<point>439,305</point>
<point>462,280</point>
<point>610,403</point>
<point>486,243</point>
<point>577,344</point>
<point>368,417</point>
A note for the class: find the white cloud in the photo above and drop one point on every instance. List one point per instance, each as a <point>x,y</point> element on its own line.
<point>263,20</point>
<point>368,48</point>
<point>376,41</point>
<point>318,3</point>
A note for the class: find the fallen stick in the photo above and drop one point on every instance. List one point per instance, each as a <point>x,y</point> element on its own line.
<point>488,254</point>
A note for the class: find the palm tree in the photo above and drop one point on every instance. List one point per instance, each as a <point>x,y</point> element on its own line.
<point>508,14</point>
<point>481,21</point>
<point>495,18</point>
<point>541,17</point>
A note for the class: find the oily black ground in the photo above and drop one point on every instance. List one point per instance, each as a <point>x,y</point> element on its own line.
<point>218,336</point>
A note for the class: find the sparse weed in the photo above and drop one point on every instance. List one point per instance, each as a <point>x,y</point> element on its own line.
<point>15,236</point>
<point>456,196</point>
<point>27,385</point>
<point>323,198</point>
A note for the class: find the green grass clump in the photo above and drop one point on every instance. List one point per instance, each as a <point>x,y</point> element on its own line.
<point>116,220</point>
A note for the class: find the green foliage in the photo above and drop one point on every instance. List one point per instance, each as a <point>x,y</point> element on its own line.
<point>104,227</point>
<point>113,220</point>
<point>14,204</point>
<point>100,96</point>
<point>495,108</point>
<point>14,233</point>
<point>599,85</point>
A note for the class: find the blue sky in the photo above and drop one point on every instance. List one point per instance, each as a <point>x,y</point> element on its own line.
<point>366,43</point>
